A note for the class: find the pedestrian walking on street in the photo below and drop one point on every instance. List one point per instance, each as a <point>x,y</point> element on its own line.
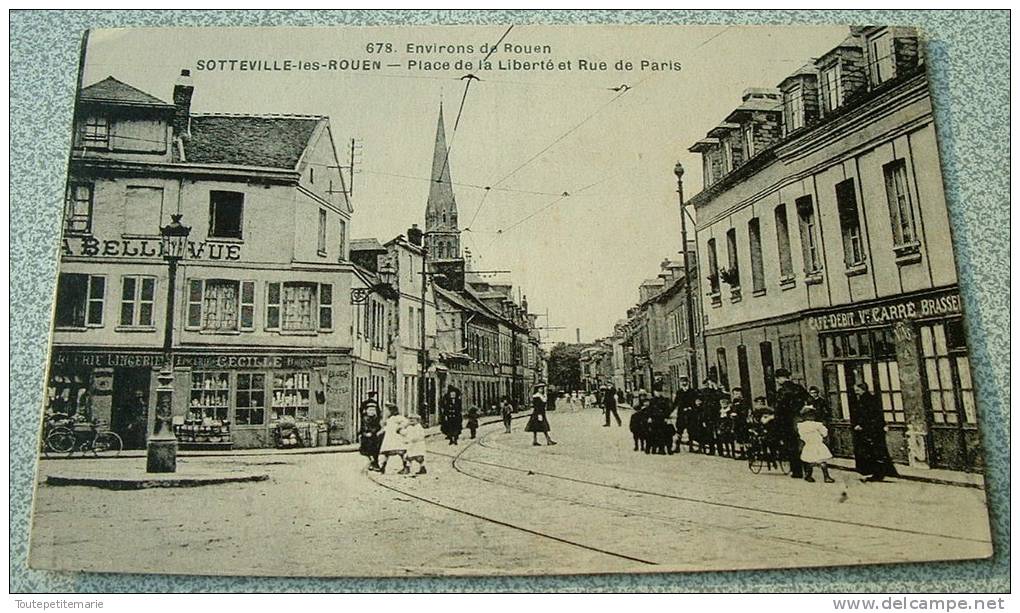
<point>393,443</point>
<point>812,434</point>
<point>538,422</point>
<point>414,435</point>
<point>472,421</point>
<point>741,417</point>
<point>871,453</point>
<point>660,431</point>
<point>609,407</point>
<point>371,434</point>
<point>451,415</point>
<point>507,411</point>
<point>708,396</point>
<point>790,399</point>
<point>726,432</point>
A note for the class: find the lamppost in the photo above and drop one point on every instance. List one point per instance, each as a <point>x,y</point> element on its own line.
<point>423,411</point>
<point>161,448</point>
<point>678,170</point>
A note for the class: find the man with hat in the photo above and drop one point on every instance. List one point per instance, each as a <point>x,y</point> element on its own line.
<point>609,406</point>
<point>790,399</point>
<point>683,404</point>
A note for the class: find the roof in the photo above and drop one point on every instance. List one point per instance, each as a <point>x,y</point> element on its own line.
<point>268,141</point>
<point>807,70</point>
<point>722,129</point>
<point>703,145</point>
<point>754,105</point>
<point>366,244</point>
<point>112,91</point>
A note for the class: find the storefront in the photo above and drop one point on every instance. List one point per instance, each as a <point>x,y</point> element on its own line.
<point>221,400</point>
<point>911,352</point>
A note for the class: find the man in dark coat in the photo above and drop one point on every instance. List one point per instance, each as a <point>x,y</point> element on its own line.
<point>609,407</point>
<point>708,415</point>
<point>660,431</point>
<point>742,414</point>
<point>790,399</point>
<point>451,415</point>
<point>871,454</point>
<point>683,404</point>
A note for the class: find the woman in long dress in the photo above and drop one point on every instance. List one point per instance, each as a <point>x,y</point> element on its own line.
<point>451,415</point>
<point>538,422</point>
<point>871,455</point>
<point>371,435</point>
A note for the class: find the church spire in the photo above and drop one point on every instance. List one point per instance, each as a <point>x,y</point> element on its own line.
<point>442,233</point>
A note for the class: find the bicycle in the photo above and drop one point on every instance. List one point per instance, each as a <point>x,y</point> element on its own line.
<point>85,437</point>
<point>53,424</point>
<point>763,452</point>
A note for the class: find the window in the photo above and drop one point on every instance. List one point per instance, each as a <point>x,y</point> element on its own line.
<point>143,210</point>
<point>832,88</point>
<point>731,252</point>
<point>713,267</point>
<point>706,169</point>
<point>322,232</point>
<point>290,395</point>
<point>250,401</point>
<point>226,212</point>
<point>947,373</point>
<point>849,222</point>
<point>808,237</point>
<point>210,395</point>
<point>880,58</point>
<point>80,300</point>
<point>727,155</point>
<point>95,133</point>
<point>757,263</point>
<point>901,213</point>
<point>299,306</point>
<point>793,109</point>
<point>136,301</point>
<point>78,208</point>
<point>783,243</point>
<point>723,370</point>
<point>343,240</point>
<point>748,135</point>
<point>221,305</point>
<point>412,329</point>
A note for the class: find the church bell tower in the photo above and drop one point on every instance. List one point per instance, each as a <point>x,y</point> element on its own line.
<point>442,235</point>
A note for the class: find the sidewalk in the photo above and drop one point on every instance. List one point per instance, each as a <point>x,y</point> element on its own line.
<point>931,475</point>
<point>349,448</point>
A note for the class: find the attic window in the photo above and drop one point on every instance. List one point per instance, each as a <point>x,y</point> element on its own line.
<point>226,212</point>
<point>881,67</point>
<point>832,88</point>
<point>96,132</point>
<point>793,109</point>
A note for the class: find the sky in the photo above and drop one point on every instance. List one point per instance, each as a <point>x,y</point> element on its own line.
<point>530,135</point>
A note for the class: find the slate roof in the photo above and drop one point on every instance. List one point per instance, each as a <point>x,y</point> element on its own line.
<point>112,91</point>
<point>366,244</point>
<point>249,140</point>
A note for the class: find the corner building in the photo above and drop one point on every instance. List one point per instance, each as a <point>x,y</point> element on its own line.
<point>824,238</point>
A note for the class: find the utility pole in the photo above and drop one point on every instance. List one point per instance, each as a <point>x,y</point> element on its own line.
<point>678,170</point>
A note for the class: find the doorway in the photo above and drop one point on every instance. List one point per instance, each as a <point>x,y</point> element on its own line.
<point>129,416</point>
<point>768,371</point>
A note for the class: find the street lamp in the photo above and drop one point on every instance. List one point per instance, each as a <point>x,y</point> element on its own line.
<point>161,448</point>
<point>678,170</point>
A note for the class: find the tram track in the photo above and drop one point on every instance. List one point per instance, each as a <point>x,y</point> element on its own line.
<point>381,482</point>
<point>689,499</point>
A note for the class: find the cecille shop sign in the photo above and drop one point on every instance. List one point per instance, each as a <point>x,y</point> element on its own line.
<point>88,246</point>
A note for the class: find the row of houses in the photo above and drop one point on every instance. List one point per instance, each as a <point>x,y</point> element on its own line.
<point>822,246</point>
<point>277,315</point>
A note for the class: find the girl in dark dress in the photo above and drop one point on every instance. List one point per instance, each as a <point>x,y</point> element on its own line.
<point>371,435</point>
<point>451,415</point>
<point>871,455</point>
<point>538,422</point>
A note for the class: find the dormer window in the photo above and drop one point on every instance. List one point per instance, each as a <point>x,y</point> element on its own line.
<point>793,109</point>
<point>96,133</point>
<point>747,133</point>
<point>881,64</point>
<point>832,88</point>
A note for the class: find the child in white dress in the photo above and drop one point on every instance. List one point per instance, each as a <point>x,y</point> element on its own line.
<point>414,435</point>
<point>393,443</point>
<point>812,433</point>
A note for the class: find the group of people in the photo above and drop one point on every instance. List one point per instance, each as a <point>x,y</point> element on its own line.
<point>402,438</point>
<point>711,421</point>
<point>396,438</point>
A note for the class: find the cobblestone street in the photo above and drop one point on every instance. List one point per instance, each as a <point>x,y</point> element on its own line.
<point>497,504</point>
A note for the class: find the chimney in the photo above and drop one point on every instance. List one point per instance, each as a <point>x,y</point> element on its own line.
<point>183,90</point>
<point>414,235</point>
<point>467,259</point>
